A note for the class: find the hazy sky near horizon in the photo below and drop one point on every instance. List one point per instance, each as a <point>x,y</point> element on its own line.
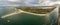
<point>17,2</point>
<point>23,2</point>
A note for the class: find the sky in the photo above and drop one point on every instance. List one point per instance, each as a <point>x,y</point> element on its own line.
<point>26,2</point>
<point>17,2</point>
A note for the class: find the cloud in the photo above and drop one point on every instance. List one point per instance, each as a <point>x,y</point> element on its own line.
<point>25,2</point>
<point>14,0</point>
<point>18,2</point>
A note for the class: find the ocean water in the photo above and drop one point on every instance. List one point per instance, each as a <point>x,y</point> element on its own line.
<point>24,19</point>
